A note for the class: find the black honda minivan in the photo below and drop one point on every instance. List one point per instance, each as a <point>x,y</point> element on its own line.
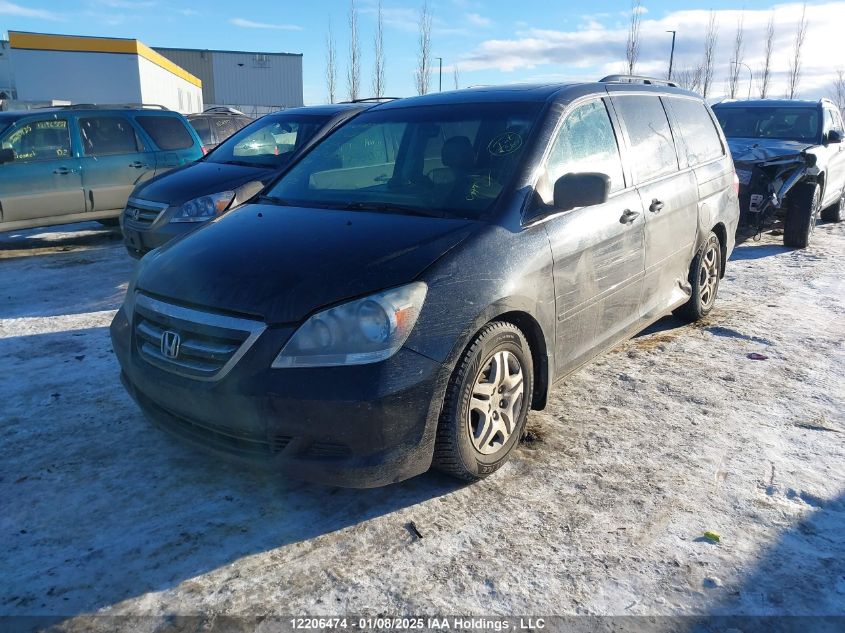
<point>421,278</point>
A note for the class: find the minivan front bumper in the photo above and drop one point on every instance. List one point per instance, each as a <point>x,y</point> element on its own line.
<point>356,426</point>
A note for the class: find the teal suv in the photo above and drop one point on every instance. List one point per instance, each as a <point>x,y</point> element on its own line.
<point>78,163</point>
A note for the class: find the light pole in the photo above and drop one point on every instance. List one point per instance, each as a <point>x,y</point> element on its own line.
<point>671,55</point>
<point>440,59</point>
<point>750,76</point>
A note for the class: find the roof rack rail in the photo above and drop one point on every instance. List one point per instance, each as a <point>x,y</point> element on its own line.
<point>371,99</point>
<point>637,79</point>
<point>113,106</point>
<point>222,109</point>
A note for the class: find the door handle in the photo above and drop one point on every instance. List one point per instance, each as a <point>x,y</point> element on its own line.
<point>656,206</point>
<point>628,216</point>
<point>137,164</point>
<point>62,171</point>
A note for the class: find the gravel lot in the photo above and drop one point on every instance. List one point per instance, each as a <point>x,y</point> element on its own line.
<point>673,434</point>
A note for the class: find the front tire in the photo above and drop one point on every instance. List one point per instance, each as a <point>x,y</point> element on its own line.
<point>836,212</point>
<point>705,271</point>
<point>486,405</point>
<point>802,207</point>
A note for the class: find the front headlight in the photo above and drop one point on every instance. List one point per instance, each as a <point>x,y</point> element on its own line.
<point>363,331</point>
<point>204,208</point>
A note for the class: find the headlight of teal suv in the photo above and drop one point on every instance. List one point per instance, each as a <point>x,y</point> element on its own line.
<point>204,208</point>
<point>363,331</point>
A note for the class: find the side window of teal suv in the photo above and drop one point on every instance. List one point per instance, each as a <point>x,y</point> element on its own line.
<point>39,140</point>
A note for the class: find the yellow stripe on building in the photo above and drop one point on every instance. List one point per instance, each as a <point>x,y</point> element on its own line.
<point>73,43</point>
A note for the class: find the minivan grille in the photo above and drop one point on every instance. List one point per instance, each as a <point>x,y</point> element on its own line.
<point>193,343</point>
<point>142,213</point>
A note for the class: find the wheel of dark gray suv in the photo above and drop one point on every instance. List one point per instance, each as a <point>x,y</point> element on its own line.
<point>486,404</point>
<point>835,212</point>
<point>704,274</point>
<point>802,207</point>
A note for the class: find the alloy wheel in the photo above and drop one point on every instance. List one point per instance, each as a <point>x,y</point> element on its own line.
<point>708,274</point>
<point>496,402</point>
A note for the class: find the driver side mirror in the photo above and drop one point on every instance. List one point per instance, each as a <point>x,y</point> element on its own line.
<point>7,155</point>
<point>834,136</point>
<point>580,190</point>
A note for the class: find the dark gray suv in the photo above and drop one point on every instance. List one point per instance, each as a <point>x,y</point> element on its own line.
<point>423,277</point>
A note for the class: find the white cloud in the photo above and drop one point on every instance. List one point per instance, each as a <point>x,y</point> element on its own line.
<point>598,46</point>
<point>249,24</point>
<point>10,8</point>
<point>476,19</point>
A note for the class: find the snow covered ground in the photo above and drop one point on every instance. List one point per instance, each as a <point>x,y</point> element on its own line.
<point>673,434</point>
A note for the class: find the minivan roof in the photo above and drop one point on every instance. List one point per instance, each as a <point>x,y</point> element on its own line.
<point>530,93</point>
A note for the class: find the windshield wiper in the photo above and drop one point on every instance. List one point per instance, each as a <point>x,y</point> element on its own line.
<point>281,202</point>
<point>389,206</point>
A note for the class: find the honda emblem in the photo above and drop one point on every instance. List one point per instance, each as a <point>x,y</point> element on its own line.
<point>170,342</point>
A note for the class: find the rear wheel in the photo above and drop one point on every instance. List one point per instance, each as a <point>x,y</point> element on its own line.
<point>835,212</point>
<point>486,403</point>
<point>802,208</point>
<point>704,274</point>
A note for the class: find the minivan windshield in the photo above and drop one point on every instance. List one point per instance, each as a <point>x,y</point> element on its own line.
<point>788,124</point>
<point>445,160</point>
<point>268,142</point>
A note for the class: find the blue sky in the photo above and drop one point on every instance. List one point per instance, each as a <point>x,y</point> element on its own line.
<point>490,42</point>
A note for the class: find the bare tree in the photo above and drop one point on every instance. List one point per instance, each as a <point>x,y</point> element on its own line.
<point>839,89</point>
<point>709,62</point>
<point>423,72</point>
<point>795,60</point>
<point>733,78</point>
<point>378,70</point>
<point>353,73</point>
<point>632,49</point>
<point>689,78</point>
<point>456,75</point>
<point>766,70</point>
<point>331,65</point>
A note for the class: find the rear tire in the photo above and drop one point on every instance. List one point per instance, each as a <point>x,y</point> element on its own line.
<point>705,271</point>
<point>802,208</point>
<point>486,405</point>
<point>835,212</point>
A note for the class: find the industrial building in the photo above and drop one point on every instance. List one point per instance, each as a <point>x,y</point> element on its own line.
<point>98,70</point>
<point>39,69</point>
<point>254,83</point>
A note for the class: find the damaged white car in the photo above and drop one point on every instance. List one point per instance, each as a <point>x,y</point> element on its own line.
<point>790,161</point>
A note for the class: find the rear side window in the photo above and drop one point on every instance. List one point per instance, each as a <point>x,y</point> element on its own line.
<point>104,135</point>
<point>168,132</point>
<point>652,147</point>
<point>201,125</point>
<point>701,140</point>
<point>585,143</point>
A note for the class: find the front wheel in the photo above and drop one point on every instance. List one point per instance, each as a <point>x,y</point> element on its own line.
<point>704,274</point>
<point>836,212</point>
<point>486,405</point>
<point>802,207</point>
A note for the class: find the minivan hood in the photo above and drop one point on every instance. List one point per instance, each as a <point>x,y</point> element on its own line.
<point>282,263</point>
<point>199,179</point>
<point>752,150</point>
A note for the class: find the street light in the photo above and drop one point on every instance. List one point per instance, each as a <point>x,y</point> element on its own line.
<point>671,55</point>
<point>441,73</point>
<point>750,75</point>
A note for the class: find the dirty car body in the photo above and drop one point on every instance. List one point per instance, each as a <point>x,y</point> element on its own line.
<point>324,329</point>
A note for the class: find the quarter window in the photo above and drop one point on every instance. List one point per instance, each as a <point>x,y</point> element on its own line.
<point>652,147</point>
<point>168,132</point>
<point>701,140</point>
<point>39,140</point>
<point>107,135</point>
<point>584,143</point>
